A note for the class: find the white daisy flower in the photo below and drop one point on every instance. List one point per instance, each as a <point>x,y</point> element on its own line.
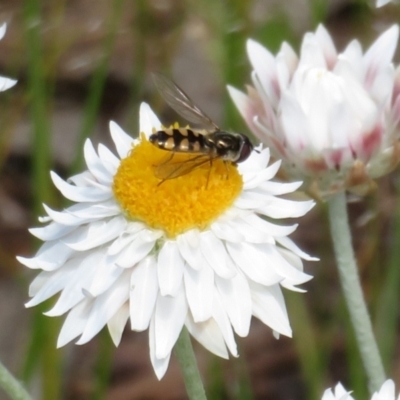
<point>200,251</point>
<point>5,83</point>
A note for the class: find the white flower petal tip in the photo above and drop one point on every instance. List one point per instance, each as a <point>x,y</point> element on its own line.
<point>3,29</point>
<point>339,393</point>
<point>6,83</point>
<point>148,120</point>
<point>303,108</point>
<point>116,130</point>
<point>111,270</point>
<point>386,392</point>
<point>381,3</point>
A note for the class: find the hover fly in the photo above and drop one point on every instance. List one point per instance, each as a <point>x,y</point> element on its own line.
<point>206,144</point>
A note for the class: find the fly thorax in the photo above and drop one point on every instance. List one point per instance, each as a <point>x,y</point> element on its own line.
<point>227,145</point>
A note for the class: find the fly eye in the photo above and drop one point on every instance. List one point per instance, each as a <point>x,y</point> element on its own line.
<point>245,151</point>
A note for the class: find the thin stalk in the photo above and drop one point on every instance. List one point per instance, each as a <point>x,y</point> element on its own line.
<point>103,367</point>
<point>187,361</point>
<point>38,103</point>
<point>97,84</point>
<point>11,386</point>
<point>307,340</point>
<point>352,291</point>
<point>42,347</point>
<point>386,320</point>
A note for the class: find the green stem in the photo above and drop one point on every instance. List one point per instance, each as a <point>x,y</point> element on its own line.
<point>353,294</point>
<point>11,386</point>
<point>187,361</point>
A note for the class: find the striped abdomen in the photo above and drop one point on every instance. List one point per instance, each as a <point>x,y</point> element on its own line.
<point>180,140</point>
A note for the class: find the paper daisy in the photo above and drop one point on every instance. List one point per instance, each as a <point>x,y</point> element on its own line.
<point>201,250</point>
<point>332,117</point>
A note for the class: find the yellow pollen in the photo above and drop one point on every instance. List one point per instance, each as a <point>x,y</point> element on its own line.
<point>193,200</point>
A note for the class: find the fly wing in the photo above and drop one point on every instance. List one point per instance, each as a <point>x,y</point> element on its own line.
<point>181,103</point>
<point>173,169</point>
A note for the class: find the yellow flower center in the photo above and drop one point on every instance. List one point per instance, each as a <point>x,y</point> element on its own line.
<point>193,200</point>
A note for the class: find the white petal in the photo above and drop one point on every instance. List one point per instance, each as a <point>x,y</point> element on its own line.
<point>72,292</point>
<point>294,122</point>
<point>214,252</point>
<point>137,250</point>
<point>81,179</point>
<point>50,256</point>
<point>249,201</point>
<point>380,54</point>
<point>222,320</point>
<point>257,161</point>
<point>255,264</point>
<point>326,43</point>
<point>170,315</point>
<point>311,52</point>
<point>289,244</point>
<point>169,268</point>
<point>6,83</point>
<point>143,294</point>
<point>267,227</point>
<point>287,53</point>
<point>224,231</point>
<point>3,29</point>
<point>131,232</point>
<point>240,99</point>
<point>148,120</point>
<point>251,234</point>
<point>105,306</point>
<point>95,234</point>
<point>264,64</point>
<point>99,210</point>
<point>282,208</point>
<point>106,273</point>
<point>199,286</point>
<point>255,178</point>
<point>94,164</point>
<point>52,231</point>
<point>280,265</point>
<point>160,365</point>
<point>381,3</point>
<point>188,244</point>
<point>110,161</point>
<point>123,142</point>
<point>209,335</point>
<point>279,188</point>
<point>63,217</point>
<point>386,392</point>
<point>80,194</point>
<point>75,323</point>
<point>269,307</point>
<point>51,282</point>
<point>236,298</point>
<point>117,323</point>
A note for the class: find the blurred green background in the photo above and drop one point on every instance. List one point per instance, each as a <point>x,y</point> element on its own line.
<point>81,63</point>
